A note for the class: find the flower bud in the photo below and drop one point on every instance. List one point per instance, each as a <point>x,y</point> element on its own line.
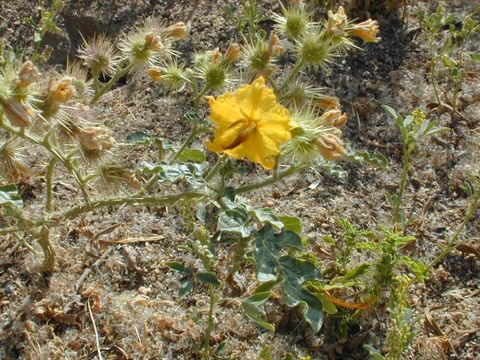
<point>334,118</point>
<point>177,31</point>
<point>330,147</point>
<point>12,162</point>
<point>337,23</point>
<point>367,30</point>
<point>18,114</point>
<point>27,75</point>
<point>62,91</point>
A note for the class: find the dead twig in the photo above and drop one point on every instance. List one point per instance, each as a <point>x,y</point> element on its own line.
<point>88,270</point>
<point>97,340</point>
<point>132,240</point>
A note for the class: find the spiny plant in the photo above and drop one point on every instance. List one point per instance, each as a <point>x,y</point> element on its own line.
<point>274,119</point>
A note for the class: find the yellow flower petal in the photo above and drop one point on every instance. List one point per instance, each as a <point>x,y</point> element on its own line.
<point>250,124</point>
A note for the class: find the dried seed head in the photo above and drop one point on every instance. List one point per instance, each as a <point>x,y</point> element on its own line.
<point>81,83</point>
<point>149,43</point>
<point>61,91</point>
<point>334,118</point>
<point>312,136</point>
<point>367,30</point>
<point>325,102</point>
<point>337,22</point>
<point>171,75</point>
<point>112,175</point>
<point>27,75</point>
<point>18,114</point>
<point>177,31</point>
<point>99,55</point>
<point>12,162</point>
<point>95,138</point>
<point>233,53</point>
<point>330,147</point>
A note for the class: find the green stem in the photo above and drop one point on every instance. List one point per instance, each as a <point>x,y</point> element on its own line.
<point>213,171</point>
<point>453,241</point>
<point>296,69</point>
<point>270,180</point>
<point>402,186</point>
<point>48,251</point>
<point>432,71</point>
<point>187,142</point>
<point>208,334</point>
<point>199,96</point>
<point>118,74</point>
<point>129,200</point>
<point>49,176</point>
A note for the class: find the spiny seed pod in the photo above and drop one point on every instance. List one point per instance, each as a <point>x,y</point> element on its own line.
<point>260,55</point>
<point>314,50</point>
<point>99,55</point>
<point>294,21</point>
<point>81,83</point>
<point>150,43</point>
<point>313,136</point>
<point>18,114</point>
<point>171,75</point>
<point>301,93</point>
<point>12,162</point>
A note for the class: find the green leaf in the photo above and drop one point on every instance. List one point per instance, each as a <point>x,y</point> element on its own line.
<point>255,314</point>
<point>265,216</point>
<point>475,57</point>
<point>191,154</point>
<point>327,305</point>
<point>178,267</point>
<point>259,298</point>
<point>207,278</point>
<point>9,196</point>
<point>267,286</point>
<point>391,112</point>
<point>334,170</point>
<point>267,248</point>
<point>191,173</point>
<point>373,352</point>
<point>295,272</point>
<point>291,223</point>
<point>186,287</point>
<point>364,156</point>
<point>418,268</point>
<point>356,272</point>
<point>235,220</point>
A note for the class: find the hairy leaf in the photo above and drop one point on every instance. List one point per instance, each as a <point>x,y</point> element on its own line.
<point>267,248</point>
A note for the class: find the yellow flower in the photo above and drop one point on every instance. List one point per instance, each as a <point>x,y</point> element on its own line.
<point>367,31</point>
<point>250,124</point>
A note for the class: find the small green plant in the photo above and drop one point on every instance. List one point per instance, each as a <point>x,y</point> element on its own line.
<point>413,129</point>
<point>45,24</point>
<point>449,50</point>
